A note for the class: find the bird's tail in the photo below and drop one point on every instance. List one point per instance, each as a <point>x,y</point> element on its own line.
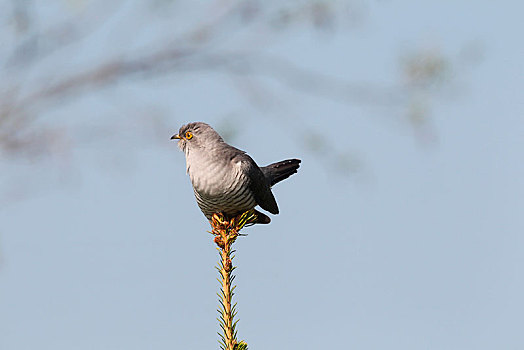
<point>279,171</point>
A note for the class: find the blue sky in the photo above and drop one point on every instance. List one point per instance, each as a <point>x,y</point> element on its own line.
<point>421,248</point>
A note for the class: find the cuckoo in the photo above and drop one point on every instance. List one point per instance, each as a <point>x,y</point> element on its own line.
<point>225,179</point>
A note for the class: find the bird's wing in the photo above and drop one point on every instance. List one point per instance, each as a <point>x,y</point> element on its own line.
<point>258,184</point>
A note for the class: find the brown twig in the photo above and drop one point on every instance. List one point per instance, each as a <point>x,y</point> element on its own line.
<point>226,232</point>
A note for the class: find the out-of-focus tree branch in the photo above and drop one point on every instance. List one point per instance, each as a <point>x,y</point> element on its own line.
<point>197,48</point>
<point>206,46</point>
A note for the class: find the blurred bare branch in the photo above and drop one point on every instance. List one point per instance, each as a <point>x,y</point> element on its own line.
<point>425,68</point>
<point>196,49</point>
<point>206,45</point>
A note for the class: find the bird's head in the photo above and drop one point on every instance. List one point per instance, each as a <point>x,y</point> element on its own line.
<point>196,135</point>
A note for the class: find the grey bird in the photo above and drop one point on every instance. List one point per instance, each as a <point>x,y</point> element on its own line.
<point>225,179</point>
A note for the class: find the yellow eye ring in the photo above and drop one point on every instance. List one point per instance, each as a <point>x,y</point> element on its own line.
<point>189,135</point>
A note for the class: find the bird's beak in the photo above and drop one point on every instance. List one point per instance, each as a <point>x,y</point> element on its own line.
<point>175,137</point>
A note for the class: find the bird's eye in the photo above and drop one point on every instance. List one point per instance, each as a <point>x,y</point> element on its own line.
<point>189,135</point>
